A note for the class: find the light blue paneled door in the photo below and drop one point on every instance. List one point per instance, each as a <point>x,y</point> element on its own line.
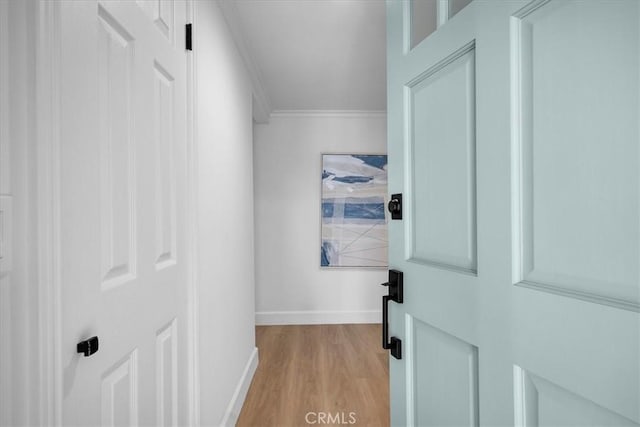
<point>514,137</point>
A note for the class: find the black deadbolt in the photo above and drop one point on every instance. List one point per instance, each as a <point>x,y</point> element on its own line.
<point>395,206</point>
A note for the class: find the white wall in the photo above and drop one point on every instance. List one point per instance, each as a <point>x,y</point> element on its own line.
<point>290,285</point>
<point>225,225</point>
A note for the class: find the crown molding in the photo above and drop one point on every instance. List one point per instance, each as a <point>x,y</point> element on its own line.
<point>261,102</point>
<point>328,113</point>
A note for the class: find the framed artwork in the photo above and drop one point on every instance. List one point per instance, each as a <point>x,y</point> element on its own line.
<point>354,221</point>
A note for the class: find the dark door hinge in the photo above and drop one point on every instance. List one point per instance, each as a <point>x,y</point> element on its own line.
<point>188,38</point>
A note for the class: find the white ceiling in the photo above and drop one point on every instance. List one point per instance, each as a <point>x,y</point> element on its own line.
<point>317,54</point>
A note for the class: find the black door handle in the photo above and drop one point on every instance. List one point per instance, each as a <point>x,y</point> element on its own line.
<point>88,347</point>
<point>395,294</point>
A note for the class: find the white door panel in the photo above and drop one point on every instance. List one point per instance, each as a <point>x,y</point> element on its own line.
<point>123,130</point>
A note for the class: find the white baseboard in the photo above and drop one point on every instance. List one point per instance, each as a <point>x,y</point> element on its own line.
<point>317,317</point>
<point>235,406</point>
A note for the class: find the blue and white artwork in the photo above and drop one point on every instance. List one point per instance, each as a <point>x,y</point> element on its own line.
<point>354,222</point>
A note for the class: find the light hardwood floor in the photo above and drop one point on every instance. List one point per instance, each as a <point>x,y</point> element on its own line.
<point>311,370</point>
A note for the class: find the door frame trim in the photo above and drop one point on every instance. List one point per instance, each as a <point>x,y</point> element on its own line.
<point>6,327</point>
<point>47,160</point>
<point>192,227</point>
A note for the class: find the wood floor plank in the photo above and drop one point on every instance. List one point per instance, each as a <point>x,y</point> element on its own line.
<point>318,375</point>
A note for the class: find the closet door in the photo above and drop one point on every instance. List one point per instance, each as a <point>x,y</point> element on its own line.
<point>122,228</point>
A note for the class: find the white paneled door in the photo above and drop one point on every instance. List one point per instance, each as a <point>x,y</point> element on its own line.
<point>514,138</point>
<point>122,118</point>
